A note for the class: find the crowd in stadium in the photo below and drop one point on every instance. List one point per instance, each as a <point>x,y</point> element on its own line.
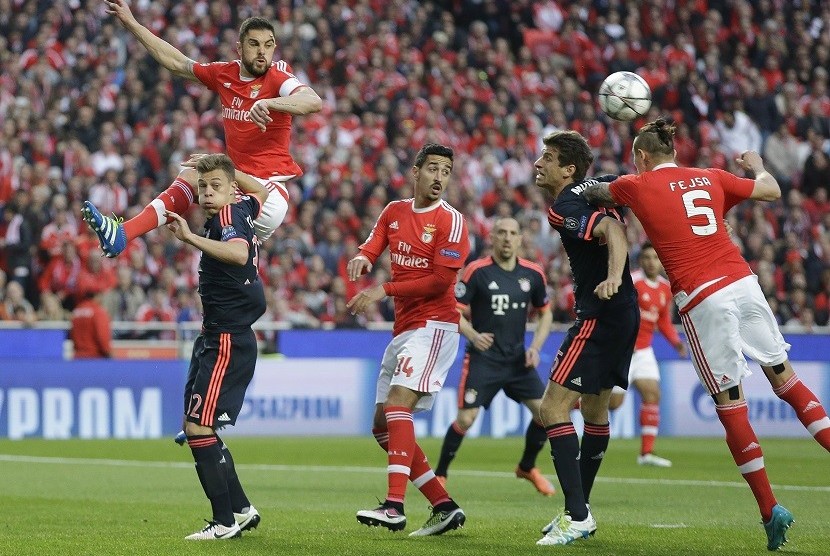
<point>85,113</point>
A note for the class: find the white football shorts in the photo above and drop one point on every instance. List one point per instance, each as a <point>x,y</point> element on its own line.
<point>733,322</point>
<point>643,365</point>
<point>419,360</point>
<point>275,207</point>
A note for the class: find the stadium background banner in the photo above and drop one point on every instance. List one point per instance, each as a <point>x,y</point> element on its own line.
<point>90,399</point>
<point>325,386</point>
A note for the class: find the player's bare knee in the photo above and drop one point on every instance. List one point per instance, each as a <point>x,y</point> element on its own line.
<point>466,418</point>
<point>778,374</point>
<point>193,429</point>
<point>190,175</point>
<point>651,396</point>
<point>731,395</point>
<point>595,415</point>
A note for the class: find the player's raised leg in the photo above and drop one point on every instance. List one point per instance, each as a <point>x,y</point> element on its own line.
<point>114,234</point>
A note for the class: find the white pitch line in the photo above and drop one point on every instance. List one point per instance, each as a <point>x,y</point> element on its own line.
<point>379,469</point>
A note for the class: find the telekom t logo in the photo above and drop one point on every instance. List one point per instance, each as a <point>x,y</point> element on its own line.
<point>499,302</point>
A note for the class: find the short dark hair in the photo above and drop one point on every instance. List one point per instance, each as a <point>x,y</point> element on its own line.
<point>254,23</point>
<point>572,148</point>
<point>644,246</point>
<point>656,137</point>
<point>213,162</point>
<point>432,148</point>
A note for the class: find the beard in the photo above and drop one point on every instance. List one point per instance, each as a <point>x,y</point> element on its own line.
<point>251,68</point>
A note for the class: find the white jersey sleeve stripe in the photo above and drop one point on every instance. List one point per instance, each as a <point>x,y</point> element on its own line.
<point>457,226</point>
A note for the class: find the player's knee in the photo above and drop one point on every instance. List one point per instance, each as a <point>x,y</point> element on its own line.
<point>189,175</point>
<point>466,418</point>
<point>193,429</point>
<point>651,396</point>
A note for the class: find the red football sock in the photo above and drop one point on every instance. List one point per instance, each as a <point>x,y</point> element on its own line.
<point>649,421</point>
<point>176,198</point>
<point>424,478</point>
<point>401,450</point>
<point>807,408</point>
<point>747,454</point>
<point>421,474</point>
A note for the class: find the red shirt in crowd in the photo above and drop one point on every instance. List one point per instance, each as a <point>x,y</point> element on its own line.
<point>90,331</point>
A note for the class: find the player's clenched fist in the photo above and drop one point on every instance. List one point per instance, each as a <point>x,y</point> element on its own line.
<point>606,289</point>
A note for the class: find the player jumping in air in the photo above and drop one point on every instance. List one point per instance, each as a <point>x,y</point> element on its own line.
<point>258,96</point>
<point>722,308</point>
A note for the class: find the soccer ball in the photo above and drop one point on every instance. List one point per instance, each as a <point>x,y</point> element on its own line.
<point>624,96</point>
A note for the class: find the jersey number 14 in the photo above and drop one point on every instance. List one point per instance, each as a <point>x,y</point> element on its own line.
<point>405,366</point>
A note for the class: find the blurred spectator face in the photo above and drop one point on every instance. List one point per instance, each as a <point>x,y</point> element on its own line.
<point>125,277</point>
<point>14,292</point>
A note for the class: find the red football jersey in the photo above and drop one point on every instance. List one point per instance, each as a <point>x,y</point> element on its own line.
<point>682,210</point>
<point>654,298</point>
<point>418,241</point>
<point>261,154</point>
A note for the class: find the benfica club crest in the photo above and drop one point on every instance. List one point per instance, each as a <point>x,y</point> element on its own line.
<point>429,232</point>
<point>255,90</point>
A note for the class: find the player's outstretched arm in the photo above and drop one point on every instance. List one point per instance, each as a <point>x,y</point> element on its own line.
<point>599,194</point>
<point>163,52</point>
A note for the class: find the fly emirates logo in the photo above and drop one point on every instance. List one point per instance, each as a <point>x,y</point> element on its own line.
<point>235,111</point>
<point>402,256</point>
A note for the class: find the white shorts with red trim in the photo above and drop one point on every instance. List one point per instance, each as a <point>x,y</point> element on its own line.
<point>275,207</point>
<point>419,360</point>
<point>728,324</point>
<point>643,365</point>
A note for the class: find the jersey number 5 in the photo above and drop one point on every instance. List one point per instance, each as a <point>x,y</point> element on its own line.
<point>689,199</point>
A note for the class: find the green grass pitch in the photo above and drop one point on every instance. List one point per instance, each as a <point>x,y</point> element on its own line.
<point>142,497</point>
